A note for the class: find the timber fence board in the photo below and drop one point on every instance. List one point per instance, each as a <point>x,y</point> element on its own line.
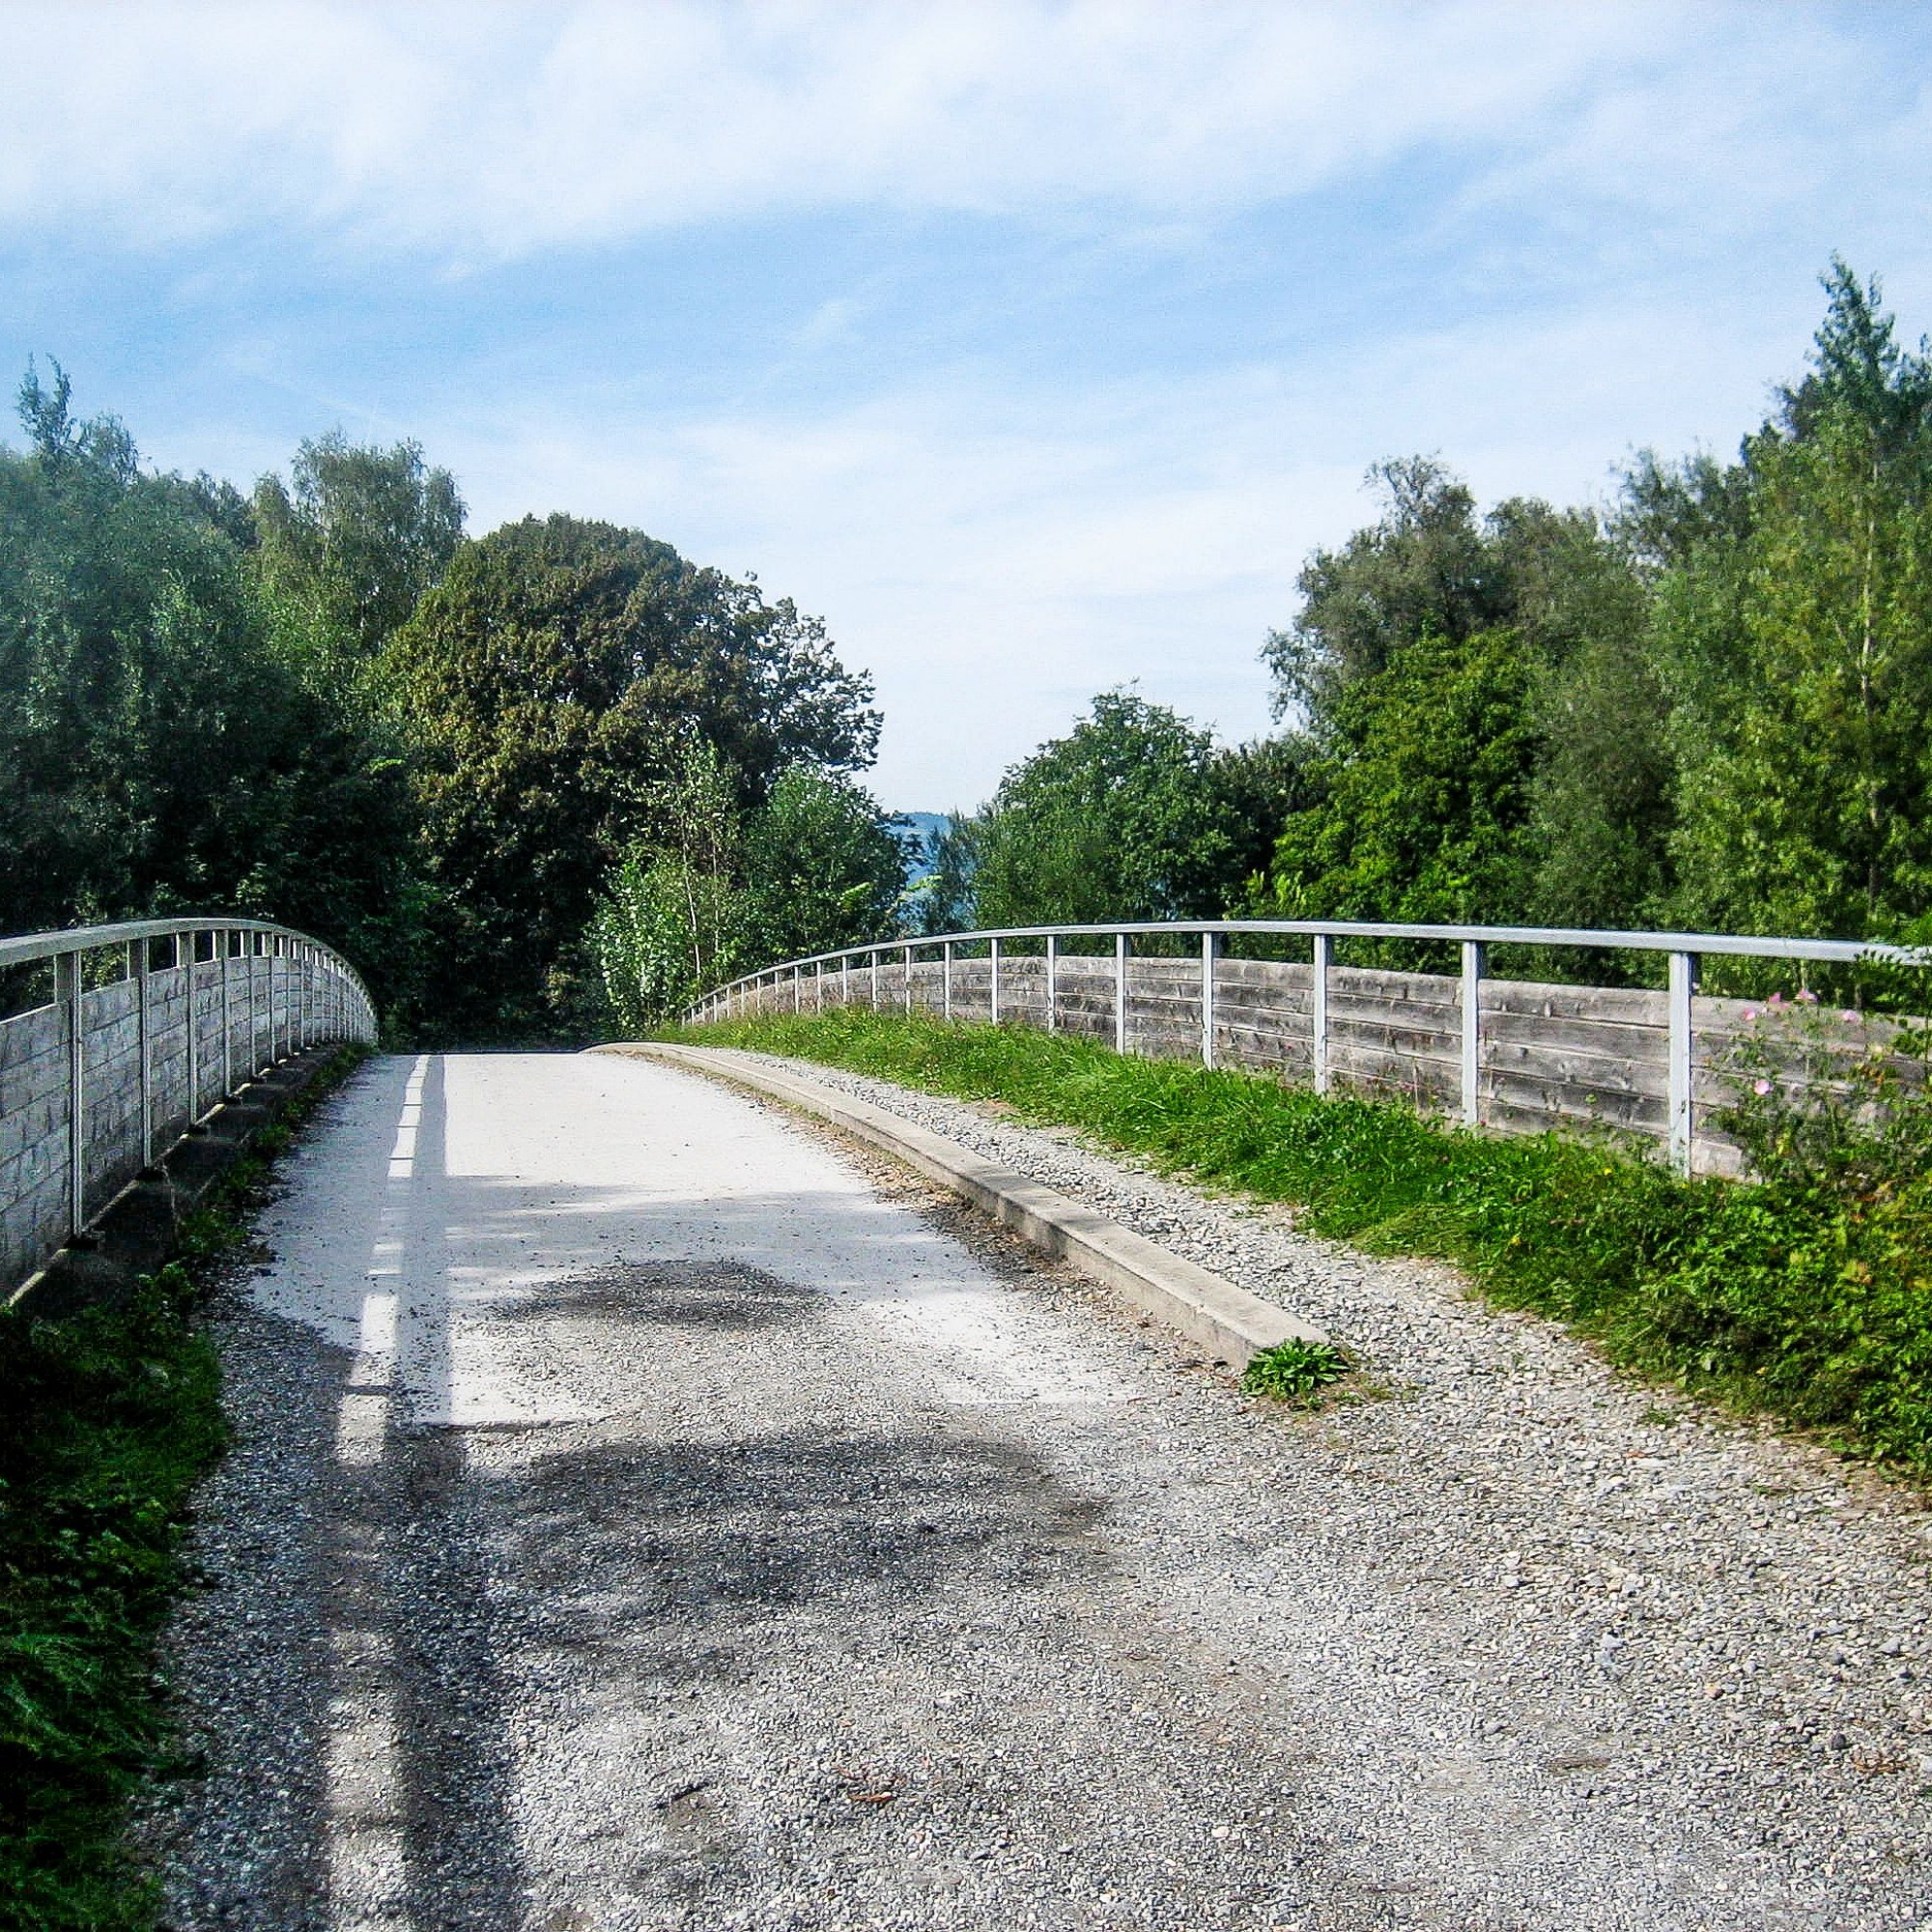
<point>1583,1058</point>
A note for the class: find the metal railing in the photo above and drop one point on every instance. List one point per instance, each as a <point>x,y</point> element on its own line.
<point>1684,952</point>
<point>128,1033</point>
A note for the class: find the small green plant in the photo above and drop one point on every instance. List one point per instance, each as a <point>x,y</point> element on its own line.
<point>1296,1372</point>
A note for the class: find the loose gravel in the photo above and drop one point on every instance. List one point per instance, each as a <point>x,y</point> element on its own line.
<point>751,1537</point>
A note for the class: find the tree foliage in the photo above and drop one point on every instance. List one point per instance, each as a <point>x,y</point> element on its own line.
<point>1133,814</point>
<point>165,742</point>
<point>548,685</point>
<point>1718,704</point>
<point>716,891</point>
<point>355,538</point>
<point>1423,789</point>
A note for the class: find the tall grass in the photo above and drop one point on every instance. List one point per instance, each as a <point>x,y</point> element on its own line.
<point>108,1419</point>
<point>1807,1294</point>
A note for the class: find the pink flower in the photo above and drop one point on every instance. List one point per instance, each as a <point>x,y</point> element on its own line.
<point>1760,1085</point>
<point>1751,1014</point>
<point>1775,1000</point>
<point>1807,996</point>
<point>1848,1017</point>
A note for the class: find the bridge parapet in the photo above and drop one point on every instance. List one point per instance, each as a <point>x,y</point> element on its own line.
<point>145,1027</point>
<point>1515,1055</point>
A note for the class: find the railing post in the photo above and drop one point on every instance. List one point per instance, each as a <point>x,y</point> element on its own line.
<point>875,979</point>
<point>227,1020</point>
<point>1210,947</point>
<point>946,981</point>
<point>1683,1059</point>
<point>1474,961</point>
<point>993,979</point>
<point>908,982</point>
<point>1053,982</point>
<point>138,971</point>
<point>845,980</point>
<point>1325,959</point>
<point>66,985</point>
<point>193,1041</point>
<point>819,988</point>
<point>797,989</point>
<point>1120,992</point>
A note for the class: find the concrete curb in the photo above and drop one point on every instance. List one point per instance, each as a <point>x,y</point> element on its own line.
<point>1223,1318</point>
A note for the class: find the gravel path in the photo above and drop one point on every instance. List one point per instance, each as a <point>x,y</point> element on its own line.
<point>648,1511</point>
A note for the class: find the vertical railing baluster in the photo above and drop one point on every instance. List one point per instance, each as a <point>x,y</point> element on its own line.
<point>908,982</point>
<point>993,980</point>
<point>193,1041</point>
<point>227,1018</point>
<point>1473,962</point>
<point>1120,992</point>
<point>68,986</point>
<point>1210,947</point>
<point>138,971</point>
<point>1683,1060</point>
<point>1053,982</point>
<point>946,981</point>
<point>1325,960</point>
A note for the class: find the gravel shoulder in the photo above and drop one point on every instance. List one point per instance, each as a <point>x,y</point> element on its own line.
<point>724,1528</point>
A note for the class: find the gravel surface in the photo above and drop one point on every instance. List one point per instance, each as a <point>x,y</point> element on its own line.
<point>649,1511</point>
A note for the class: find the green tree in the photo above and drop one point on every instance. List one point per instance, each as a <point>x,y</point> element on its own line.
<point>1422,791</point>
<point>823,868</point>
<point>160,747</point>
<point>672,917</point>
<point>1799,639</point>
<point>548,683</point>
<point>718,892</point>
<point>355,538</point>
<point>1119,819</point>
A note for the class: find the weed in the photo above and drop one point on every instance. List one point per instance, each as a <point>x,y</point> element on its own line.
<point>1296,1372</point>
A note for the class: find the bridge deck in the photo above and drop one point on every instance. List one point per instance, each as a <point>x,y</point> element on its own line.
<point>647,1512</point>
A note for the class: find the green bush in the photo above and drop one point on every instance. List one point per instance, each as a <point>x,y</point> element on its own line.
<point>1809,1296</point>
<point>110,1417</point>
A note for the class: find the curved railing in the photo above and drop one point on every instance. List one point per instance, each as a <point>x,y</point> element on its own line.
<point>1500,1053</point>
<point>144,1028</point>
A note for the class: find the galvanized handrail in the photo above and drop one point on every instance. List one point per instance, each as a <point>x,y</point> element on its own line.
<point>321,999</point>
<point>1685,950</point>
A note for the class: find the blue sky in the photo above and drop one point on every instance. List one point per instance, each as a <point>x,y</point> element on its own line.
<point>1033,346</point>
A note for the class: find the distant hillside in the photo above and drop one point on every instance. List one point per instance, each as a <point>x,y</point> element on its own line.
<point>923,830</point>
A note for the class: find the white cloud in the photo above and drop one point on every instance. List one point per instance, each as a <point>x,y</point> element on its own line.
<point>995,557</point>
<point>481,132</point>
<point>994,547</point>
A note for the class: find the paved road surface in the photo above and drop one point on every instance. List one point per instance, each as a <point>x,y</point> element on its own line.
<point>649,1514</point>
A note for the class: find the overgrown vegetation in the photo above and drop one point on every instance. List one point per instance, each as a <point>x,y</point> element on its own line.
<point>111,1418</point>
<point>1807,1294</point>
<point>719,888</point>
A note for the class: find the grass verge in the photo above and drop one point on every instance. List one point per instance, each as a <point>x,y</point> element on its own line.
<point>1810,1301</point>
<point>109,1420</point>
